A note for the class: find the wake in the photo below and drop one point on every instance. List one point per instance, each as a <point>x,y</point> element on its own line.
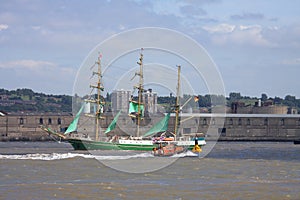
<point>61,156</point>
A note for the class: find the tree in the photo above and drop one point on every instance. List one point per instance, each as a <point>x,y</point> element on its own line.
<point>290,101</point>
<point>264,97</point>
<point>234,96</point>
<point>290,98</point>
<point>277,100</point>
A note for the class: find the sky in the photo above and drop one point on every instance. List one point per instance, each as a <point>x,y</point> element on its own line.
<point>254,44</point>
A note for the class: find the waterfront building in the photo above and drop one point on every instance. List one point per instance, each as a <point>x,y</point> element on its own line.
<point>120,100</point>
<point>150,101</point>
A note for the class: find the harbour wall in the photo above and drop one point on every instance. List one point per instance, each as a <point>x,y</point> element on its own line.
<point>229,127</point>
<point>27,126</point>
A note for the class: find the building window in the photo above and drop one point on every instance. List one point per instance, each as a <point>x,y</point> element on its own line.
<point>41,121</point>
<point>298,122</point>
<point>230,121</point>
<point>187,130</point>
<point>204,121</point>
<point>21,120</point>
<point>213,122</point>
<point>49,121</point>
<point>222,131</point>
<point>240,122</point>
<point>266,121</point>
<point>59,121</point>
<point>248,122</point>
<point>282,122</point>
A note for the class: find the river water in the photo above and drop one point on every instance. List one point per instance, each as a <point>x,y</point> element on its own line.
<point>232,170</point>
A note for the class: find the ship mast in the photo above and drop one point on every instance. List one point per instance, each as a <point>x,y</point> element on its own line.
<point>98,101</point>
<point>140,88</point>
<point>177,105</point>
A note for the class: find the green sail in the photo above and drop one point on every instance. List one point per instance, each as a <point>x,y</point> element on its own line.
<point>73,126</point>
<point>112,125</point>
<point>134,107</point>
<point>161,126</point>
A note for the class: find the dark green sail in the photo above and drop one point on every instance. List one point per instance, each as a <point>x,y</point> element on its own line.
<point>161,126</point>
<point>112,125</point>
<point>73,126</point>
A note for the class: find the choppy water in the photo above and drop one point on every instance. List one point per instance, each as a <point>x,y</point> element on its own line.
<point>233,170</point>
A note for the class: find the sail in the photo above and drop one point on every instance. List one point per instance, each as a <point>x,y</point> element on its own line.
<point>161,126</point>
<point>134,107</point>
<point>112,125</point>
<point>73,126</point>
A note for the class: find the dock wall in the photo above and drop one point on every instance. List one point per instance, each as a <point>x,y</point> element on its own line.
<point>230,127</point>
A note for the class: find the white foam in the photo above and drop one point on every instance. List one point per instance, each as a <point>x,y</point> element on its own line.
<point>141,155</point>
<point>43,156</point>
<point>60,156</point>
<point>185,154</point>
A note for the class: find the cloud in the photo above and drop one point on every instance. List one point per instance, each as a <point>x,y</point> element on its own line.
<point>291,62</point>
<point>3,27</point>
<point>168,8</point>
<point>190,10</point>
<point>184,10</point>
<point>221,28</point>
<point>251,35</point>
<point>248,16</point>
<point>35,67</point>
<point>27,64</point>
<point>37,75</point>
<point>287,36</point>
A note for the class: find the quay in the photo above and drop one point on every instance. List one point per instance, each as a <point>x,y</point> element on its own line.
<point>225,127</point>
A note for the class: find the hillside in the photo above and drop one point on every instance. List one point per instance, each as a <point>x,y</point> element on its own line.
<point>27,100</point>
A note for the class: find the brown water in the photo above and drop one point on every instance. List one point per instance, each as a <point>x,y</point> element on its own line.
<point>233,170</point>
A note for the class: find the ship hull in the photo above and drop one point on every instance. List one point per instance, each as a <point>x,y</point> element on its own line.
<point>81,144</point>
<point>78,144</point>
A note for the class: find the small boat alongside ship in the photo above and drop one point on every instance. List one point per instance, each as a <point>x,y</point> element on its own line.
<point>166,148</point>
<point>157,137</point>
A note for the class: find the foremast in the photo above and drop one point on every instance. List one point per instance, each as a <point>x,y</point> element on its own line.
<point>98,99</point>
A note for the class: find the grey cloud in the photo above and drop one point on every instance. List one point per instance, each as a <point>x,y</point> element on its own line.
<point>248,16</point>
<point>192,10</point>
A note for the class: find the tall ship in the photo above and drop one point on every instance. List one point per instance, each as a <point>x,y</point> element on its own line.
<point>158,135</point>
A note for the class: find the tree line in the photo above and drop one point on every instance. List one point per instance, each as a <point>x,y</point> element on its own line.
<point>26,100</point>
<point>29,101</point>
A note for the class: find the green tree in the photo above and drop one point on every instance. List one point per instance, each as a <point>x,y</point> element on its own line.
<point>264,97</point>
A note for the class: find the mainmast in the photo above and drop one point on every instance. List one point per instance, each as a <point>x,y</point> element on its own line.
<point>177,105</point>
<point>98,101</point>
<point>140,88</point>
